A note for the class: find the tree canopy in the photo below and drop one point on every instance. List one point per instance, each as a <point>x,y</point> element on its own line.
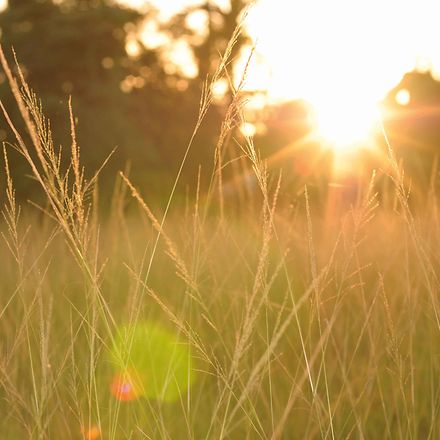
<point>140,96</point>
<point>122,99</point>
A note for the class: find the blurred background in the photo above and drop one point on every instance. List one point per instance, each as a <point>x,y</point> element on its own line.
<point>322,79</point>
<point>230,308</point>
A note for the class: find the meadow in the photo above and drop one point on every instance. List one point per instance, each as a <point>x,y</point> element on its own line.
<point>220,317</point>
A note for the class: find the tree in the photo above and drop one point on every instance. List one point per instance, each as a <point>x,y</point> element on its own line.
<point>412,123</point>
<point>220,24</point>
<point>75,48</point>
<point>79,48</point>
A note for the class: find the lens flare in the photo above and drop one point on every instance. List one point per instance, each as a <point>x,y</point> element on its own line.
<point>403,97</point>
<point>123,387</point>
<point>151,362</point>
<point>92,433</point>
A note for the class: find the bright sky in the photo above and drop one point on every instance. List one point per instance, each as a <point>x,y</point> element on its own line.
<point>307,48</point>
<point>169,7</point>
<point>340,55</point>
<point>363,47</point>
<point>310,48</point>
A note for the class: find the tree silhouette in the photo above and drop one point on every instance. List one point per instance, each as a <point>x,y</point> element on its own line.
<point>221,25</point>
<point>412,125</point>
<point>79,48</point>
<point>75,48</point>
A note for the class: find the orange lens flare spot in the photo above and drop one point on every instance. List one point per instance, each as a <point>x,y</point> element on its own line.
<point>123,388</point>
<point>92,434</point>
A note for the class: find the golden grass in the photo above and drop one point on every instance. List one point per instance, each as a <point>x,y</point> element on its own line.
<point>299,328</point>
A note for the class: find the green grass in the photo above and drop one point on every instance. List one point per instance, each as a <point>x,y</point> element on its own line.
<point>299,326</point>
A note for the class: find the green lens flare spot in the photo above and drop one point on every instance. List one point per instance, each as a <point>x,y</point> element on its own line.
<point>151,361</point>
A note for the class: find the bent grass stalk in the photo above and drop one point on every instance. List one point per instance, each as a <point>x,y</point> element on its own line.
<point>296,333</point>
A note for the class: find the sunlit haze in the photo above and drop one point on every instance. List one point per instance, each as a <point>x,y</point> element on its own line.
<point>220,219</point>
<point>346,124</point>
<point>341,55</point>
<point>361,48</point>
<point>345,47</point>
<point>305,48</point>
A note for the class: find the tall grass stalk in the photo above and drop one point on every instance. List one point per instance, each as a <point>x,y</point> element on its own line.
<point>297,327</point>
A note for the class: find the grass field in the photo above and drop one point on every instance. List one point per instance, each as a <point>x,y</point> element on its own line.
<point>274,321</point>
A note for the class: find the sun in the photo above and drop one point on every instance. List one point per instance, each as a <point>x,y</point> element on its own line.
<point>341,56</point>
<point>345,124</point>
